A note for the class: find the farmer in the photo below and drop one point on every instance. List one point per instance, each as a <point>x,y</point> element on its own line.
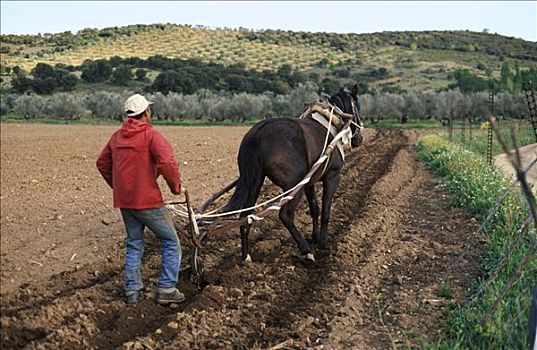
<point>131,162</point>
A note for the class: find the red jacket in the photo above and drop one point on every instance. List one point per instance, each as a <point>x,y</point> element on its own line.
<point>132,161</point>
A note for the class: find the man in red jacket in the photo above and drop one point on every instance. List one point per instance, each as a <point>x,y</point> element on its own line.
<point>132,160</point>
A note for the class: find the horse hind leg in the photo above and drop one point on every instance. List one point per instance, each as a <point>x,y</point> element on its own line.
<point>287,216</point>
<point>245,229</point>
<point>245,245</point>
<point>330,184</point>
<point>314,211</point>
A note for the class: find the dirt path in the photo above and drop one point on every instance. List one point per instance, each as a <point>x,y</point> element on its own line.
<point>528,154</point>
<point>393,237</point>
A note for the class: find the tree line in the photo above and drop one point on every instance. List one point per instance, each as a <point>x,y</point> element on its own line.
<point>466,41</point>
<point>189,76</point>
<point>208,105</point>
<point>511,80</point>
<point>176,75</point>
<point>463,41</point>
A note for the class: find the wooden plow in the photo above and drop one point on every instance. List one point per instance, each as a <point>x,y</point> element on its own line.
<point>201,225</point>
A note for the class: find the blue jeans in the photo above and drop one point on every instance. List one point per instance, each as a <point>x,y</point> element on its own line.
<point>135,222</point>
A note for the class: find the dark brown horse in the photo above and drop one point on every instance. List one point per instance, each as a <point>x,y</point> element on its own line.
<point>284,150</point>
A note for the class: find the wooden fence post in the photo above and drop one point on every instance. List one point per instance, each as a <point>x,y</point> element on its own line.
<point>490,134</point>
<point>463,128</point>
<point>532,105</point>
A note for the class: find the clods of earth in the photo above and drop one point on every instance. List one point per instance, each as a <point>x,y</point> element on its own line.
<point>391,273</point>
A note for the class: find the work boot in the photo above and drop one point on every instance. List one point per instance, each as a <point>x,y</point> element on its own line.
<point>134,296</point>
<point>169,296</point>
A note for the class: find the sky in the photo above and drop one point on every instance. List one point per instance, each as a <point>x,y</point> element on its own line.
<point>509,18</point>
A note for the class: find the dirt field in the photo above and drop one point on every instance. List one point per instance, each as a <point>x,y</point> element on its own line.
<point>393,237</point>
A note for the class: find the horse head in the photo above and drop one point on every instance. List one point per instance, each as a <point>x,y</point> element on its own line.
<point>349,103</point>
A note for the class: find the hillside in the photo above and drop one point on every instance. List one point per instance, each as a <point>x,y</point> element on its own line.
<point>414,60</point>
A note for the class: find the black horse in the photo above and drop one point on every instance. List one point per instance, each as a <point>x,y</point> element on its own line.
<point>284,150</point>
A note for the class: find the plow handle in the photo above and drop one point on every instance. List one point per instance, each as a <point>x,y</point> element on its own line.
<point>192,225</point>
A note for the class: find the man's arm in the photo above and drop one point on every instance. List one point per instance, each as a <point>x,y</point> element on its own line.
<point>167,166</point>
<point>104,164</point>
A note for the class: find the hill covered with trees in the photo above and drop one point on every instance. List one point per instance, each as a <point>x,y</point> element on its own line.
<point>183,59</point>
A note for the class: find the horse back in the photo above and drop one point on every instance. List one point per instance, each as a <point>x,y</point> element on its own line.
<point>287,148</point>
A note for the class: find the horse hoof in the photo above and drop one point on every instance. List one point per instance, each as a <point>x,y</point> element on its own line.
<point>310,257</point>
<point>248,259</point>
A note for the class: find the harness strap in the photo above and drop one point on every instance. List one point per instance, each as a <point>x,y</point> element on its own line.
<point>322,120</point>
<point>327,110</point>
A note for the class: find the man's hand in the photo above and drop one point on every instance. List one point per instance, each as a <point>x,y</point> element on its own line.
<point>181,191</point>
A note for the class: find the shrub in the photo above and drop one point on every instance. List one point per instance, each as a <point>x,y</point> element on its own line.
<point>44,86</point>
<point>244,107</point>
<point>342,73</point>
<point>181,82</point>
<point>141,74</point>
<point>96,71</point>
<point>170,107</point>
<point>30,106</point>
<point>292,104</point>
<point>67,106</point>
<point>105,105</point>
<point>122,75</point>
<point>481,66</point>
<point>68,81</point>
<point>43,70</point>
<point>467,82</point>
<point>21,83</point>
<point>330,86</point>
<point>7,102</point>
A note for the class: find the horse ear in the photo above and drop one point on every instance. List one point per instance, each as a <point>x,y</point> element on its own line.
<point>354,91</point>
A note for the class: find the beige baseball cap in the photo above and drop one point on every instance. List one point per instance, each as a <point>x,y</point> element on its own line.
<point>135,105</point>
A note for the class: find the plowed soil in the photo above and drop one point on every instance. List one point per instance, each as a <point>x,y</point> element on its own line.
<point>394,238</point>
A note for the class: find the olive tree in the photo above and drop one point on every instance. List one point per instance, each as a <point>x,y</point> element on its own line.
<point>245,106</point>
<point>7,103</point>
<point>64,105</point>
<point>414,107</point>
<point>292,104</point>
<point>30,106</point>
<point>104,104</point>
<point>367,106</point>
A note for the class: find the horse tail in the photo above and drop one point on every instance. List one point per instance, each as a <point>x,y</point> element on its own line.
<point>251,176</point>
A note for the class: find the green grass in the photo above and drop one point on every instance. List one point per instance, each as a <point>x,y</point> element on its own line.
<point>476,186</point>
<point>477,140</point>
<point>445,291</point>
<point>96,121</point>
<point>411,124</point>
<point>81,121</point>
<point>189,122</point>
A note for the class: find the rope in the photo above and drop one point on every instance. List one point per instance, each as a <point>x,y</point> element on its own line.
<point>328,129</point>
<point>303,182</point>
<point>326,138</point>
<point>251,217</point>
<point>358,126</point>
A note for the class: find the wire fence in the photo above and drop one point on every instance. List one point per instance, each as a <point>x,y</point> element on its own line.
<point>489,139</point>
<point>515,261</point>
<point>479,138</point>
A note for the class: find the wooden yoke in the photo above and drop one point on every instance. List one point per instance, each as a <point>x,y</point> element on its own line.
<point>325,109</point>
